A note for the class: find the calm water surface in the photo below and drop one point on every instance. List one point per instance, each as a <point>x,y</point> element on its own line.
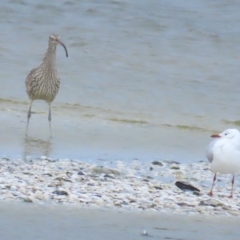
<point>144,79</point>
<point>62,222</point>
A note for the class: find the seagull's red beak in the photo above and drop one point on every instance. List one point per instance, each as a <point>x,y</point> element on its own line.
<point>215,136</point>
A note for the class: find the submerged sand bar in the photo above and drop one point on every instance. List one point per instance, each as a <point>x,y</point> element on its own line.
<point>134,186</point>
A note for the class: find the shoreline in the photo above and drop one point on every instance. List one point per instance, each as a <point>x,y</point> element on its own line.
<point>136,187</point>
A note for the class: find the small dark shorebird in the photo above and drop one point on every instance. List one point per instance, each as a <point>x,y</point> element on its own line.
<point>43,83</point>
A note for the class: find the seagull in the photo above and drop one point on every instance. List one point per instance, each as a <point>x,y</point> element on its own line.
<point>224,154</point>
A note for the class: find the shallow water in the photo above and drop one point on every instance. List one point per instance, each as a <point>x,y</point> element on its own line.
<point>24,221</point>
<point>144,79</point>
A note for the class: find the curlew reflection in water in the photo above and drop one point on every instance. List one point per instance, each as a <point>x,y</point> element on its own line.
<point>36,147</point>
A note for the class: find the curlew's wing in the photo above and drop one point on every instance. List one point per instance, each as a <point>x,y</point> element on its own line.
<point>33,81</point>
<point>31,77</point>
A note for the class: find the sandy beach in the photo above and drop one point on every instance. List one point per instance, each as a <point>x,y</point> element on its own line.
<point>68,199</point>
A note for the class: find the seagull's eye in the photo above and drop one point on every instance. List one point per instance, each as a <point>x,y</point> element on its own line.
<point>226,134</point>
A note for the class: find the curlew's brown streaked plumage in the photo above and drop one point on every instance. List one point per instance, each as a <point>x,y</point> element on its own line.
<point>43,83</point>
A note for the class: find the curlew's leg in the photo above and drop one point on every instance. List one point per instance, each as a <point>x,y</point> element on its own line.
<point>214,179</point>
<point>28,117</point>
<point>231,195</point>
<point>49,119</point>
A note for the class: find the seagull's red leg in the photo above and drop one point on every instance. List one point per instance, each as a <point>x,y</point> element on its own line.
<point>231,195</point>
<point>214,179</point>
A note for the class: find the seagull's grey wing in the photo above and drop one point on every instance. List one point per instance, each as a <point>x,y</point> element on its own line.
<point>209,152</point>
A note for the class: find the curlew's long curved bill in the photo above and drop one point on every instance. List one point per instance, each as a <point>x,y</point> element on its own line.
<point>63,47</point>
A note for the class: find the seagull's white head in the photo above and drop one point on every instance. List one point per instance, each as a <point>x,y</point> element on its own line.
<point>233,134</point>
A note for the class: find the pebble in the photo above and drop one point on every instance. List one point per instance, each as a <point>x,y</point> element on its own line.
<point>186,186</point>
<point>60,192</point>
<point>158,163</point>
<point>133,186</point>
<point>27,199</point>
<point>211,202</point>
<point>106,170</point>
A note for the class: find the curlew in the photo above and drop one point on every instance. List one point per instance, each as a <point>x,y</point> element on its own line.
<point>43,83</point>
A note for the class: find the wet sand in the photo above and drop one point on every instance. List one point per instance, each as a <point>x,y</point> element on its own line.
<point>30,221</point>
